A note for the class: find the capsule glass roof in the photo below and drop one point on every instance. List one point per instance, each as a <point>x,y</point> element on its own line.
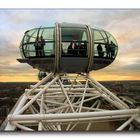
<point>69,33</point>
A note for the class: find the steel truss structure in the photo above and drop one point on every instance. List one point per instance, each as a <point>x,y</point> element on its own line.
<point>69,103</point>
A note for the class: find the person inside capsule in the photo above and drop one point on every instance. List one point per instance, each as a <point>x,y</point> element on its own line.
<point>39,46</point>
<point>100,50</point>
<point>72,49</point>
<point>112,48</point>
<point>107,50</point>
<point>83,49</point>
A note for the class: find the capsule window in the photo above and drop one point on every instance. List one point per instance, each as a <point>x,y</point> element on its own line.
<point>105,46</point>
<point>38,42</point>
<point>74,42</point>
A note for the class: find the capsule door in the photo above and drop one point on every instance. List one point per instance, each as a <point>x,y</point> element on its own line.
<point>74,46</point>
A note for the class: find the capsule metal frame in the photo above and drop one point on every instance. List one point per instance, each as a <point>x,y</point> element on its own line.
<point>66,33</point>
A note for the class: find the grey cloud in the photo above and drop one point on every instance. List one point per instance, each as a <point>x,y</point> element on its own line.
<point>17,69</point>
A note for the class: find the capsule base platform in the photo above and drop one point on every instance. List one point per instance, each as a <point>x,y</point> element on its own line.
<point>70,103</point>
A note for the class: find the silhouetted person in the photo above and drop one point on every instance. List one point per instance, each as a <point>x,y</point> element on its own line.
<point>73,49</point>
<point>83,49</point>
<point>100,50</point>
<point>36,44</point>
<point>39,46</point>
<point>62,51</point>
<point>107,50</point>
<point>42,46</point>
<point>112,48</point>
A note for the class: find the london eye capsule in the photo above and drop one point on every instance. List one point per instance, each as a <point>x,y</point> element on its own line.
<point>68,48</point>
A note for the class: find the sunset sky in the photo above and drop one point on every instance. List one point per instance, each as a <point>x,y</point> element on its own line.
<point>123,24</point>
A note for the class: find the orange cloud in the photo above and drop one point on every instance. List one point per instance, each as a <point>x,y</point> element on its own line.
<point>17,78</point>
<point>113,77</point>
<point>97,76</point>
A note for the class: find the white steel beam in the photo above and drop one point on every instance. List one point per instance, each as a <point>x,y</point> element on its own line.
<point>61,105</point>
<point>88,126</point>
<point>37,95</point>
<point>15,110</point>
<point>74,115</point>
<point>124,106</point>
<point>65,86</point>
<point>83,95</point>
<point>40,126</point>
<point>94,119</point>
<point>66,89</point>
<point>22,127</point>
<point>126,123</point>
<point>44,80</point>
<point>61,85</point>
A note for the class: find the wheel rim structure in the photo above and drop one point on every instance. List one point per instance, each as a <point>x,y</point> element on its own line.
<point>62,102</point>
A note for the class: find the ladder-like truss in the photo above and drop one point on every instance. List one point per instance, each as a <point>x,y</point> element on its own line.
<point>69,103</point>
